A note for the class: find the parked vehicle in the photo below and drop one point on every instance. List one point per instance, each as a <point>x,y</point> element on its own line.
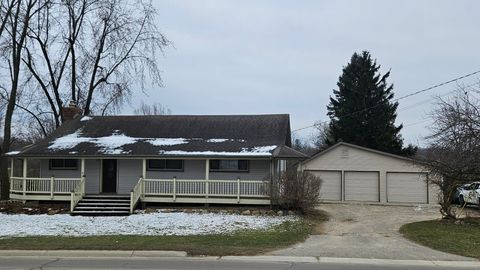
<point>470,194</point>
<point>456,195</point>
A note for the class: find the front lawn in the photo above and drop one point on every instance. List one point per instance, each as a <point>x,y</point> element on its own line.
<point>243,242</point>
<point>461,237</point>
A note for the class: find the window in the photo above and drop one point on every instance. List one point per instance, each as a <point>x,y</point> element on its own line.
<point>229,165</point>
<point>165,165</point>
<point>63,164</point>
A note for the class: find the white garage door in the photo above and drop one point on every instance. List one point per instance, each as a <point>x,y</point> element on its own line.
<point>331,185</point>
<point>362,186</point>
<point>407,187</point>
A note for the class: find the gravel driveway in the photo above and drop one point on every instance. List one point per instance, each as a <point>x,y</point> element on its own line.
<point>369,231</point>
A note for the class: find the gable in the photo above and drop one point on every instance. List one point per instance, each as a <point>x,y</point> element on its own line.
<point>349,157</point>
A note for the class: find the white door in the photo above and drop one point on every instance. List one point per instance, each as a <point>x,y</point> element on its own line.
<point>362,186</point>
<point>407,187</point>
<point>331,189</point>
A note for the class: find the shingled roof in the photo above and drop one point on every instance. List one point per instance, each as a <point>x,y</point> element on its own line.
<point>169,136</point>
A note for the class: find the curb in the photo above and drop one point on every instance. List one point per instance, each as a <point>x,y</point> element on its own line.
<point>94,253</point>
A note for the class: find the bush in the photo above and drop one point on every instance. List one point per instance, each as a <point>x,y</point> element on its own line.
<point>298,191</point>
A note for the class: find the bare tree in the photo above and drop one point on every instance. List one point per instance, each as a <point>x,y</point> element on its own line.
<point>454,152</point>
<point>152,109</point>
<point>93,52</point>
<point>11,49</point>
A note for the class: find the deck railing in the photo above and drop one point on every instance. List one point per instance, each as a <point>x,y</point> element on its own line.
<point>47,187</point>
<point>135,194</point>
<point>206,188</point>
<point>77,193</point>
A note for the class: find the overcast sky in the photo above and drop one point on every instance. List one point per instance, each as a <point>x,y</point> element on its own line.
<point>252,57</point>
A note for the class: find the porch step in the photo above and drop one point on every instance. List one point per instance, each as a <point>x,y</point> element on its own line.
<point>99,213</point>
<point>103,205</point>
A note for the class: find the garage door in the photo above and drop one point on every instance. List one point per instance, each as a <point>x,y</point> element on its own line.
<point>407,187</point>
<point>362,186</point>
<point>331,185</point>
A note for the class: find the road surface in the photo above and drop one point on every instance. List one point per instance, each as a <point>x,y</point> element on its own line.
<point>228,263</point>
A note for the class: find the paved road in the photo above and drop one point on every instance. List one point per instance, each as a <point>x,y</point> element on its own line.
<point>48,263</point>
<point>369,231</point>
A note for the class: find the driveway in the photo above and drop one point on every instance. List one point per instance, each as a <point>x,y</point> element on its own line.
<point>369,231</point>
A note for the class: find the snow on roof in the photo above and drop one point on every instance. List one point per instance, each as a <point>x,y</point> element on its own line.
<point>113,145</point>
<point>11,153</point>
<point>256,151</point>
<point>86,118</point>
<point>167,141</point>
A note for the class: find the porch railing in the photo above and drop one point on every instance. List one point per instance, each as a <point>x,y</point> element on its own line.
<point>135,194</point>
<point>51,186</point>
<point>77,194</point>
<point>206,188</point>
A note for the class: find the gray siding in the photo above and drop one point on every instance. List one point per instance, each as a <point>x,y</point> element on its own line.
<point>193,169</point>
<point>259,170</point>
<point>92,175</point>
<point>129,172</point>
<point>46,172</point>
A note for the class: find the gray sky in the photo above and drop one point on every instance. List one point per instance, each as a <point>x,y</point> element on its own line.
<point>248,57</point>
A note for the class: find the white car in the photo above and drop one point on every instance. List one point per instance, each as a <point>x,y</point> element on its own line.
<point>470,194</point>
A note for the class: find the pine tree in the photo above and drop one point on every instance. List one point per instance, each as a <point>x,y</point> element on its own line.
<point>362,111</point>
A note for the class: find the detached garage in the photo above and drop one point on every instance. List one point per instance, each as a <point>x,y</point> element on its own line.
<point>354,173</point>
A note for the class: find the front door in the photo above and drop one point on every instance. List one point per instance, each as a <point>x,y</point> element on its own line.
<point>109,176</point>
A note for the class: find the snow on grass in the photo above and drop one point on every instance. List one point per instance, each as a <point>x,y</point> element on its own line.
<point>140,224</point>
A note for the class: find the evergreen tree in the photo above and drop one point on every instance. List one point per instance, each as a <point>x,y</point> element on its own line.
<point>362,111</point>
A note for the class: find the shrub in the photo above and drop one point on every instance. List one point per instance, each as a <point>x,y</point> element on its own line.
<point>295,190</point>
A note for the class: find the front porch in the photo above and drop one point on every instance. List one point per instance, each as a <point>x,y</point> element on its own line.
<point>156,186</point>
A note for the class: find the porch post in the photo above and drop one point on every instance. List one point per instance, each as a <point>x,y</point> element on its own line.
<point>207,176</point>
<point>12,164</point>
<point>144,168</point>
<point>24,174</point>
<point>272,177</point>
<point>82,167</point>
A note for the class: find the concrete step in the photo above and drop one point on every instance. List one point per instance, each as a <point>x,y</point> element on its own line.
<point>101,196</point>
<point>100,213</point>
<point>102,204</point>
<point>106,200</point>
<point>101,208</point>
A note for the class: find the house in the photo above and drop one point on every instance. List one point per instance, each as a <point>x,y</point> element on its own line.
<point>110,163</point>
<point>354,173</point>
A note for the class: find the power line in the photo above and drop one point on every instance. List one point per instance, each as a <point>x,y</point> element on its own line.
<point>400,98</point>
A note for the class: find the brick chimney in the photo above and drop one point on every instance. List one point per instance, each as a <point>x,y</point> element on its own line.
<point>71,112</point>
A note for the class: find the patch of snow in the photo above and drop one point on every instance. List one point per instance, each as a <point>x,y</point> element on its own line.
<point>12,153</point>
<point>69,141</point>
<point>113,144</point>
<point>217,140</point>
<point>73,152</point>
<point>86,118</point>
<point>167,141</point>
<point>141,224</point>
<point>256,151</point>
